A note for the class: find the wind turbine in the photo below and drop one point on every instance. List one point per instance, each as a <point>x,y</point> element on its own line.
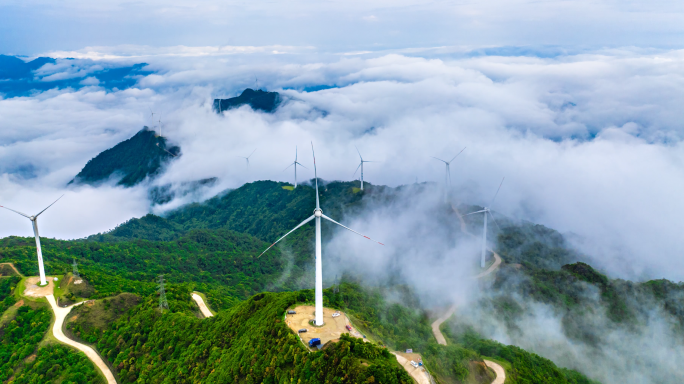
<point>34,220</point>
<point>247,158</point>
<point>152,116</point>
<point>447,177</point>
<point>318,214</point>
<point>486,211</point>
<point>295,163</point>
<point>160,126</point>
<point>361,165</point>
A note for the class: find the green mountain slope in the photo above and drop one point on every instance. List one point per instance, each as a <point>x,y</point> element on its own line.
<point>132,160</point>
<point>259,101</point>
<point>248,344</point>
<point>223,263</point>
<point>263,209</point>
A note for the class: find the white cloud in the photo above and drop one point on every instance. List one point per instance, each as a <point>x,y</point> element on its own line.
<point>589,143</point>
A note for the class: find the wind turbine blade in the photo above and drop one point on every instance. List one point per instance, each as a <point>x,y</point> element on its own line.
<point>493,219</point>
<point>357,151</point>
<point>440,160</point>
<point>288,167</point>
<point>294,229</point>
<point>250,155</point>
<point>300,164</point>
<point>315,174</point>
<point>23,214</point>
<point>349,229</point>
<point>458,154</point>
<point>48,206</point>
<point>357,169</point>
<point>497,193</point>
<point>472,213</point>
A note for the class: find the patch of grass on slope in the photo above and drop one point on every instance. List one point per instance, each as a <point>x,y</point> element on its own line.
<point>87,321</point>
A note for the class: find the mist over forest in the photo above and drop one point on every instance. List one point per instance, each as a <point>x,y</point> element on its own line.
<point>170,131</point>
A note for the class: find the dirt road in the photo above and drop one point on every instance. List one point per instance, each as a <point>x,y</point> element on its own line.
<point>13,267</point>
<point>203,307</point>
<point>418,374</point>
<point>60,315</point>
<point>500,372</point>
<point>435,326</point>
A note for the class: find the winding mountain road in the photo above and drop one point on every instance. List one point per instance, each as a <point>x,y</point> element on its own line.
<point>498,369</point>
<point>13,267</point>
<point>202,306</point>
<point>60,315</point>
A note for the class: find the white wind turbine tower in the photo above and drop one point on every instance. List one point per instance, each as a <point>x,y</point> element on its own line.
<point>361,165</point>
<point>160,126</point>
<point>447,177</point>
<point>318,214</point>
<point>34,220</point>
<point>295,163</point>
<point>152,117</point>
<point>486,212</point>
<point>247,158</point>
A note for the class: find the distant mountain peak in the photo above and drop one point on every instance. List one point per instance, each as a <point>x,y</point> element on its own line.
<point>133,160</point>
<point>259,101</point>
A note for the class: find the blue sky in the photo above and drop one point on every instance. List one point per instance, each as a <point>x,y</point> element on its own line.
<point>34,26</point>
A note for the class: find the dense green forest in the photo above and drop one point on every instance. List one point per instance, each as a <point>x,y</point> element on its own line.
<point>259,101</point>
<point>221,263</point>
<point>58,364</point>
<point>141,156</point>
<point>20,338</point>
<point>7,285</point>
<point>248,343</point>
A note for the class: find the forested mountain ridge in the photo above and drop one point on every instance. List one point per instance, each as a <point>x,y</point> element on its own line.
<point>259,101</point>
<point>221,263</point>
<point>263,209</point>
<point>132,160</point>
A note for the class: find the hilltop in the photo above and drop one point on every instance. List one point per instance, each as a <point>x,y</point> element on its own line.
<point>258,100</point>
<point>130,161</point>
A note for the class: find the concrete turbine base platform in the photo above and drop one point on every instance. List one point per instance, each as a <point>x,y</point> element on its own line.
<point>33,288</point>
<point>332,328</point>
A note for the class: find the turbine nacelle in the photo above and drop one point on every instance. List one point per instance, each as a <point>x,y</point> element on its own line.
<point>318,212</point>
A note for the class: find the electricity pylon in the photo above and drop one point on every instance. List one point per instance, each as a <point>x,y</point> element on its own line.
<point>75,269</point>
<point>162,295</point>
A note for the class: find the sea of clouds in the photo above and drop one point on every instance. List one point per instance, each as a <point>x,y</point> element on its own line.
<point>589,143</point>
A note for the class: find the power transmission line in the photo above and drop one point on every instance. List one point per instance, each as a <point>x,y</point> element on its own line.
<point>75,269</point>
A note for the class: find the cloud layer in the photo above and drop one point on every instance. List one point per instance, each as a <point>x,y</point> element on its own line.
<point>589,143</point>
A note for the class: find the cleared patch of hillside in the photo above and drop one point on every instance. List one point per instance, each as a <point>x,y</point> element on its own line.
<point>87,322</point>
